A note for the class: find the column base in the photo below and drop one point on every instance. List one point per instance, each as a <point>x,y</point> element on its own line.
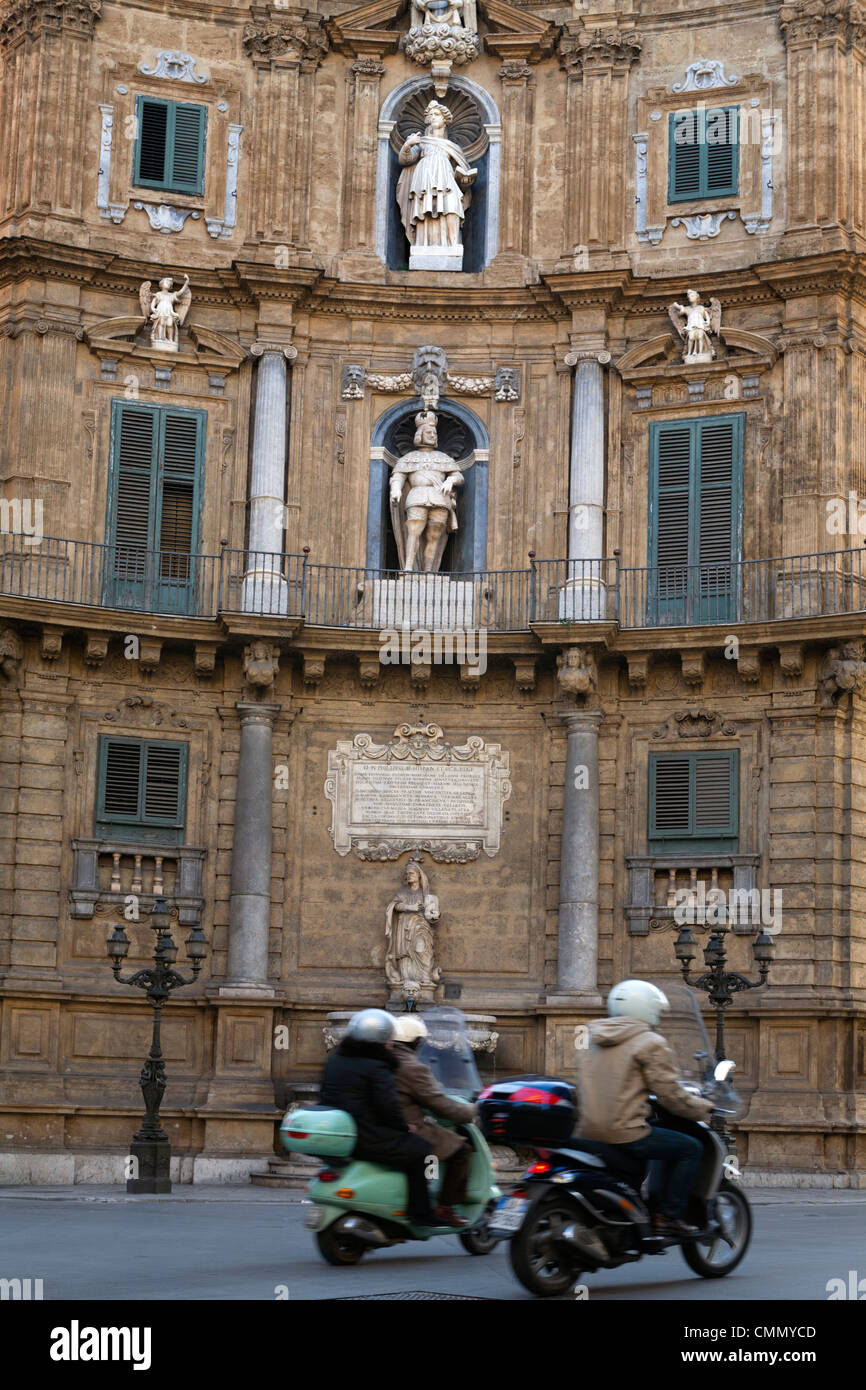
<point>574,999</point>
<point>246,989</point>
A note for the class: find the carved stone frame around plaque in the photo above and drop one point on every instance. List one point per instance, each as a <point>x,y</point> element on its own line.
<point>473,779</point>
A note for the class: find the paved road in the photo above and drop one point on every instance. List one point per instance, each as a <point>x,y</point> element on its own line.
<point>249,1243</point>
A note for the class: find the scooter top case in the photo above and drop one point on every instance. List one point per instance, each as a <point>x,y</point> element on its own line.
<point>320,1131</point>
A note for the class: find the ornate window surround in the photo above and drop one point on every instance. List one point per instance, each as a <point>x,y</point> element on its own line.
<point>493,127</point>
<point>703,219</point>
<point>168,212</point>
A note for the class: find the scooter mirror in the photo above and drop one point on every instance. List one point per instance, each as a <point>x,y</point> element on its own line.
<point>723,1070</point>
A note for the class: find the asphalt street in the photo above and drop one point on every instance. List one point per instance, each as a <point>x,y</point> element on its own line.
<point>250,1243</point>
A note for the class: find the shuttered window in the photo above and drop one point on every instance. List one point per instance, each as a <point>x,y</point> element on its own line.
<point>693,797</point>
<point>695,510</point>
<point>170,143</point>
<point>704,153</point>
<point>154,500</point>
<point>141,791</point>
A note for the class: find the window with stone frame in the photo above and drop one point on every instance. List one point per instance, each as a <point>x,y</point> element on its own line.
<point>703,153</point>
<point>141,790</point>
<point>694,801</point>
<point>169,149</point>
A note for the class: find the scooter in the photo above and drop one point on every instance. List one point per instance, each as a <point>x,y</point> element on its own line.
<point>356,1206</point>
<point>579,1207</point>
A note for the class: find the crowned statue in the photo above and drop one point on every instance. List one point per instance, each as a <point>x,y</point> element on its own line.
<point>425,518</point>
<point>433,193</point>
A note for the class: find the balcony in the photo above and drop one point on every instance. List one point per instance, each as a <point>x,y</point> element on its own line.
<point>237,587</point>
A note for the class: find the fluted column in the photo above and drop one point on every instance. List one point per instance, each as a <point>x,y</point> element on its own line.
<point>264,588</point>
<point>577,928</point>
<point>582,598</point>
<point>250,902</point>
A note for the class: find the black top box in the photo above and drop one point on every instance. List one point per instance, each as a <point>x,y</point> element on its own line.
<point>528,1110</point>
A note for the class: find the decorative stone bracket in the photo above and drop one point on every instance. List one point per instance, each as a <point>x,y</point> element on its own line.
<point>504,386</point>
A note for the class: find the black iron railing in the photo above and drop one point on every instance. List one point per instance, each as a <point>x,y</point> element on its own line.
<point>172,583</point>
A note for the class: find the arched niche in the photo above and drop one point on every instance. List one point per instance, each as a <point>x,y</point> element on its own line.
<point>462,435</point>
<point>477,129</point>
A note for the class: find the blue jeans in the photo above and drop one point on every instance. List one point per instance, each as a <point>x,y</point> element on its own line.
<point>676,1160</point>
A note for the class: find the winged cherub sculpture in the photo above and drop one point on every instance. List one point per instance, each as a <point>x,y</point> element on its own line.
<point>697,325</point>
<point>165,311</point>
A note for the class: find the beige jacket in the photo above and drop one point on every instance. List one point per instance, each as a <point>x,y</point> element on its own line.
<point>624,1062</point>
<point>420,1094</point>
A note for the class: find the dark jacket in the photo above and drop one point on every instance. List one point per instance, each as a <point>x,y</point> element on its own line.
<point>359,1078</point>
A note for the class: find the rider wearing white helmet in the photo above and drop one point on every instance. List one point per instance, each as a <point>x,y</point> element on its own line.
<point>625,1062</point>
<point>421,1097</point>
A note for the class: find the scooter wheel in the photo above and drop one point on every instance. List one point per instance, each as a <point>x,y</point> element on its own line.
<point>716,1257</point>
<point>338,1249</point>
<point>479,1241</point>
<point>537,1258</point>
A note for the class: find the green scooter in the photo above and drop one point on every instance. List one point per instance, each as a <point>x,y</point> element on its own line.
<point>357,1206</point>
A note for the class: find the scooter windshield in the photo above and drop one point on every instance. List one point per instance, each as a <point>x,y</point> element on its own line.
<point>447,1053</point>
<point>683,1029</point>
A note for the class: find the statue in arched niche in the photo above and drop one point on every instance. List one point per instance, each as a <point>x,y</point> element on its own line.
<point>426,517</point>
<point>433,193</point>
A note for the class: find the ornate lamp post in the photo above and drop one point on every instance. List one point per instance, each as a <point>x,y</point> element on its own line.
<point>719,983</point>
<point>150,1144</point>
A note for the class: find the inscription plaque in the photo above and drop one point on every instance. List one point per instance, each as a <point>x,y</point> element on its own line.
<point>417,792</point>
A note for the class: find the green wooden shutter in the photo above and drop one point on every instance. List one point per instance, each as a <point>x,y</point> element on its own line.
<point>716,492</point>
<point>684,165</point>
<point>120,780</point>
<point>672,491</point>
<point>182,454</point>
<point>187,153</point>
<point>721,151</point>
<point>703,153</point>
<point>141,790</point>
<point>132,490</point>
<point>152,142</point>
<point>693,800</point>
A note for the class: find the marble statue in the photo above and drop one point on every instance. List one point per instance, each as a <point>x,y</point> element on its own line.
<point>165,311</point>
<point>696,325</point>
<point>410,964</point>
<point>433,193</point>
<point>427,515</point>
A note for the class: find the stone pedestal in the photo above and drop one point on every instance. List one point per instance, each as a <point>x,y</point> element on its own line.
<point>429,601</point>
<point>577,959</point>
<point>250,903</point>
<point>436,258</point>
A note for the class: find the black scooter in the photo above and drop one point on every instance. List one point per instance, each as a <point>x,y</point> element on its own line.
<point>579,1207</point>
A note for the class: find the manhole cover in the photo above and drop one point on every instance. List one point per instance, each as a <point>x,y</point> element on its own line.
<point>411,1293</point>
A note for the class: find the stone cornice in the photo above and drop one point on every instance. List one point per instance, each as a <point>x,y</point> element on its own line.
<point>808,21</point>
<point>30,18</point>
<point>290,37</point>
<point>582,50</point>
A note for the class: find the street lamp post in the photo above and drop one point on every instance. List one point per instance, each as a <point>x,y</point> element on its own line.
<point>719,983</point>
<point>150,1147</point>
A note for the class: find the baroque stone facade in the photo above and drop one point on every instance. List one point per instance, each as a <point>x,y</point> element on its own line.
<point>242,620</point>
